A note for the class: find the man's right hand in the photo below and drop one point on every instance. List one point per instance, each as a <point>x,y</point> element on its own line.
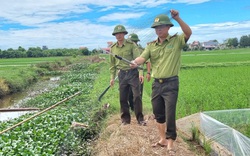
<point>133,65</point>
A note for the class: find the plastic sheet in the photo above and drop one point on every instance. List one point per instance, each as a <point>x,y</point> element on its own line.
<point>222,127</point>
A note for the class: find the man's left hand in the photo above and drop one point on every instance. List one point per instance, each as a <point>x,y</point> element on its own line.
<point>141,78</point>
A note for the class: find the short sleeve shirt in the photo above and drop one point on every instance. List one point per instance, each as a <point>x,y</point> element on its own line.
<point>128,50</point>
<point>165,58</point>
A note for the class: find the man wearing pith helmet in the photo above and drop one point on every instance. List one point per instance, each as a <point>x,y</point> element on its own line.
<point>127,77</point>
<point>164,54</point>
<point>134,38</point>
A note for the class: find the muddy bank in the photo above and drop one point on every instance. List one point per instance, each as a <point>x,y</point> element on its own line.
<point>16,100</point>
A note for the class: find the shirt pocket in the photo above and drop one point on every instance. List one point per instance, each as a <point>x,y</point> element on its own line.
<point>155,54</point>
<point>167,52</point>
<point>127,54</point>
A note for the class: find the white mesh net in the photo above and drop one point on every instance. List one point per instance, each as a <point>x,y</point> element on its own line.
<point>229,128</point>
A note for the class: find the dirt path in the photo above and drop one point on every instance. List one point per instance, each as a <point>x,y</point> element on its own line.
<point>135,140</point>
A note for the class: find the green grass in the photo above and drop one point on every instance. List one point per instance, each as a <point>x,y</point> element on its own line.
<point>216,58</point>
<point>205,89</point>
<point>11,69</point>
<point>26,61</point>
<point>16,74</point>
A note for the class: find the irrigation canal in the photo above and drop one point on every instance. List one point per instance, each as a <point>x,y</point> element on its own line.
<point>9,104</point>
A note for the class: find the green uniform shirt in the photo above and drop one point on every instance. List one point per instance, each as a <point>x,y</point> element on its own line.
<point>141,49</point>
<point>165,58</point>
<point>128,51</point>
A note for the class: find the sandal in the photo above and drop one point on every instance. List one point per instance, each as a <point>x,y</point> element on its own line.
<point>171,152</point>
<point>158,144</point>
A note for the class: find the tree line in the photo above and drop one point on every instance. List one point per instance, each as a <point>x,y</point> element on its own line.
<point>229,43</point>
<point>21,52</point>
<point>243,42</point>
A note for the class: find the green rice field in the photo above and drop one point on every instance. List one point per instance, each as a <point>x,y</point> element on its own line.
<point>214,80</point>
<point>11,68</point>
<point>26,61</point>
<point>209,80</point>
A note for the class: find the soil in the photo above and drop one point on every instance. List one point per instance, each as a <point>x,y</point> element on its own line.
<point>136,140</point>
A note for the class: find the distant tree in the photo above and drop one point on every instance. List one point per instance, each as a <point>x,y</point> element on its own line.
<point>248,40</point>
<point>215,41</point>
<point>11,53</point>
<point>232,42</point>
<point>35,52</point>
<point>21,49</point>
<point>245,41</point>
<point>235,42</point>
<point>59,53</point>
<point>85,51</point>
<point>4,54</point>
<point>94,51</point>
<point>21,52</point>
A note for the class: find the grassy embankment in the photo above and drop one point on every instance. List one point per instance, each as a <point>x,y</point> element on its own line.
<point>17,74</point>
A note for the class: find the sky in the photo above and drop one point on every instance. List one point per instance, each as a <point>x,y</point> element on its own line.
<point>90,23</point>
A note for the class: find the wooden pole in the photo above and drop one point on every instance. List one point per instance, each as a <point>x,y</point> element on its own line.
<point>18,109</point>
<point>45,110</point>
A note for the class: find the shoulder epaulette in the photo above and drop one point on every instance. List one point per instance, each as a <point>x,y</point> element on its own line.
<point>113,44</point>
<point>151,42</point>
<point>173,36</point>
<point>129,41</point>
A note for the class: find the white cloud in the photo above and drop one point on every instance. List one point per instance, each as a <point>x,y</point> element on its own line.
<point>192,1</point>
<point>41,14</point>
<point>67,34</point>
<point>29,14</point>
<point>220,31</point>
<point>83,33</point>
<point>120,16</point>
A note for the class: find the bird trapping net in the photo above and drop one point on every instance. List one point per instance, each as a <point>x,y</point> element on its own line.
<point>229,128</point>
<point>142,25</point>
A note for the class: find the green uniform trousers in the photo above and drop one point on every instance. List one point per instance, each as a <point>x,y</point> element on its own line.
<point>127,79</point>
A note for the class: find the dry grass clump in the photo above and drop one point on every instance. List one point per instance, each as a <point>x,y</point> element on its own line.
<point>4,88</point>
<point>134,140</point>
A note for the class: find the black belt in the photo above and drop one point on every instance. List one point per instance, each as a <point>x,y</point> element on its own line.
<point>127,70</point>
<point>162,80</point>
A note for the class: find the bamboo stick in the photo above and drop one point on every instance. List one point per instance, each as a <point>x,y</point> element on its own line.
<point>18,109</point>
<point>45,110</point>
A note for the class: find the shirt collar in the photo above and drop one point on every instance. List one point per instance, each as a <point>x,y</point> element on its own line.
<point>123,44</point>
<point>166,40</point>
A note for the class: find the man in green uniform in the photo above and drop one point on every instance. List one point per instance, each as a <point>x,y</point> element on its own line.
<point>134,37</point>
<point>127,77</point>
<point>164,54</point>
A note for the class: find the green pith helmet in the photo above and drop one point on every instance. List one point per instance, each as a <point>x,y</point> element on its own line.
<point>161,20</point>
<point>119,29</point>
<point>133,37</point>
